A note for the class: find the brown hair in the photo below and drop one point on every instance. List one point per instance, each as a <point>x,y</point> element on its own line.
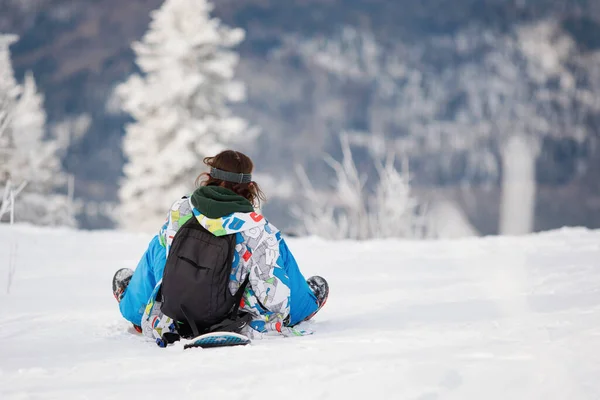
<point>232,161</point>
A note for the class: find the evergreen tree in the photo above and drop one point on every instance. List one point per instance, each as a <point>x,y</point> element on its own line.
<point>9,90</point>
<point>29,160</point>
<point>179,104</point>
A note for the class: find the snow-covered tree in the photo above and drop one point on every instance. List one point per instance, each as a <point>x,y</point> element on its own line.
<point>521,93</point>
<point>471,108</point>
<point>30,164</point>
<point>489,111</point>
<point>391,77</point>
<point>44,200</point>
<point>352,211</point>
<point>9,90</point>
<point>180,107</point>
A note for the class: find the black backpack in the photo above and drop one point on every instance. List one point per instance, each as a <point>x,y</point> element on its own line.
<point>195,286</point>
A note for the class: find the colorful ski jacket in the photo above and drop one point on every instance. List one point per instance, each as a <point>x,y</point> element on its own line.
<point>261,253</point>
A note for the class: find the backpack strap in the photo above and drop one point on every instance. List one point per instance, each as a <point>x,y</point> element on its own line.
<point>239,294</point>
<point>236,321</point>
<point>190,321</point>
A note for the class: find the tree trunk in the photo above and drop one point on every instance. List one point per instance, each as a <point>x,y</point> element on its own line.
<point>517,207</point>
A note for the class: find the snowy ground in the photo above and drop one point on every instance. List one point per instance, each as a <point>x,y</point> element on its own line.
<point>492,318</point>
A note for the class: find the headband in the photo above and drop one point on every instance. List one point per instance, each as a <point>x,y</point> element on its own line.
<point>230,176</point>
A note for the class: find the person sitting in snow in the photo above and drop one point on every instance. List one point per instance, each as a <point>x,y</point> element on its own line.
<point>272,293</point>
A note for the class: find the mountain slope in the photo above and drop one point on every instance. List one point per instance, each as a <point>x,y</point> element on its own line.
<point>492,318</point>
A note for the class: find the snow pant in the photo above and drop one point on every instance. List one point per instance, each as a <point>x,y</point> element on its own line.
<point>148,273</point>
<point>303,302</point>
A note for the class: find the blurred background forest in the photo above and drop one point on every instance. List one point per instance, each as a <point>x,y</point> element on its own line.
<point>442,86</point>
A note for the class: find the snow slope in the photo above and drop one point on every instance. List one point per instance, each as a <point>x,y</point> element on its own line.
<point>491,318</point>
